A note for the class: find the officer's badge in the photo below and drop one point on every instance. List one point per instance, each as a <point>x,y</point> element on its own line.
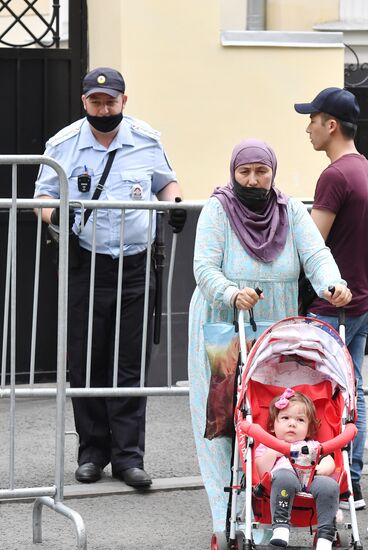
<point>101,79</point>
<point>136,192</point>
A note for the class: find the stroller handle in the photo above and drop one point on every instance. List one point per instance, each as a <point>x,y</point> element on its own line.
<point>340,310</point>
<point>340,440</point>
<point>259,434</point>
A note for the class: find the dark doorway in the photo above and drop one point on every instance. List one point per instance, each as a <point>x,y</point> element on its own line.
<point>361,139</point>
<point>356,81</point>
<point>41,88</point>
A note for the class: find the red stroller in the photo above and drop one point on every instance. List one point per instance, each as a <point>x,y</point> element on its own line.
<point>309,356</point>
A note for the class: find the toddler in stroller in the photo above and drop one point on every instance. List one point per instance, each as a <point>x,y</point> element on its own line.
<point>292,418</point>
<point>309,357</point>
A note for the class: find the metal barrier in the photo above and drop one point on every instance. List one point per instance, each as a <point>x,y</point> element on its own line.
<point>50,496</point>
<point>53,496</point>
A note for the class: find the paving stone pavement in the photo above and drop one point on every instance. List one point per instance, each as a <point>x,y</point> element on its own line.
<point>173,514</point>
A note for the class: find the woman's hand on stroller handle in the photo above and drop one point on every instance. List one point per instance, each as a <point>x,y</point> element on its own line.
<point>247,298</point>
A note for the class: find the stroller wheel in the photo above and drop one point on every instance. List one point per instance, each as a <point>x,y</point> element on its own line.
<point>219,541</point>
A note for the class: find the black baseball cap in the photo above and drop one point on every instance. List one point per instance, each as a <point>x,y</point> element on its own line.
<point>103,80</point>
<point>334,101</point>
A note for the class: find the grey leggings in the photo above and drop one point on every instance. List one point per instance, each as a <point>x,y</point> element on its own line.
<point>325,490</point>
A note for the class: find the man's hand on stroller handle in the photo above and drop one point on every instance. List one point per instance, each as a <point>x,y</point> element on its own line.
<point>247,298</point>
<point>339,295</point>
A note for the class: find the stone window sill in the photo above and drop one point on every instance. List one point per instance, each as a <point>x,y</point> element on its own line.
<point>283,39</point>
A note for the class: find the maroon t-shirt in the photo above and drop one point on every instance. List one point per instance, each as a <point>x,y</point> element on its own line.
<point>342,188</point>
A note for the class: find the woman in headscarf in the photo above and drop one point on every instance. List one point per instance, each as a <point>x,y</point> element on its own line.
<point>249,235</point>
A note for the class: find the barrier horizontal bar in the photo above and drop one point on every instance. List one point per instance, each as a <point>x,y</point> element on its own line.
<point>96,392</point>
<point>28,159</point>
<point>130,205</point>
<point>103,392</point>
<point>27,492</point>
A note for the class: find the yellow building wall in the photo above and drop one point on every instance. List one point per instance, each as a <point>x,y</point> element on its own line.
<point>105,33</point>
<point>204,97</point>
<point>300,15</point>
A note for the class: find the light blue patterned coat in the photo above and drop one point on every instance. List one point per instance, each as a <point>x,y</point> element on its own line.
<point>221,267</point>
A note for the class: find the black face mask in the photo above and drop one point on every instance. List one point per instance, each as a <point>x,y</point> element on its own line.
<point>105,123</point>
<point>254,198</point>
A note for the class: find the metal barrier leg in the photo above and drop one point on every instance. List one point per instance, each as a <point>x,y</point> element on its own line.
<point>37,520</point>
<point>61,509</point>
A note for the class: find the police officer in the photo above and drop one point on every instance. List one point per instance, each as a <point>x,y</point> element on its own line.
<point>111,430</point>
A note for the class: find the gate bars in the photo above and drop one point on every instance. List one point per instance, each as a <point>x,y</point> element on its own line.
<point>53,496</point>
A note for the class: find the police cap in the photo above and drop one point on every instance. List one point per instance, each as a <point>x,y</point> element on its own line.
<point>103,80</point>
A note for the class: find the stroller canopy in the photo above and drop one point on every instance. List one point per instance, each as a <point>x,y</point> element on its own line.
<point>302,350</point>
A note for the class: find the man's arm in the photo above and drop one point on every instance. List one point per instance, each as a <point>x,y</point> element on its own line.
<point>170,192</point>
<point>323,220</point>
<point>177,216</point>
<point>46,212</point>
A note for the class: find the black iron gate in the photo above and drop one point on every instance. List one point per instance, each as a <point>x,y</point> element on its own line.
<point>41,86</point>
<point>356,81</point>
<point>40,93</point>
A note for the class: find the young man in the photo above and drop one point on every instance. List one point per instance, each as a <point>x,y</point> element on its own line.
<point>340,210</point>
<point>111,429</point>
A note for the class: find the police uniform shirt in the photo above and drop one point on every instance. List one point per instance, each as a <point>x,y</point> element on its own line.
<point>140,170</point>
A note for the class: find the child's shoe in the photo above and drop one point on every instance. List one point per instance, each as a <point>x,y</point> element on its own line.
<point>324,544</point>
<point>280,537</point>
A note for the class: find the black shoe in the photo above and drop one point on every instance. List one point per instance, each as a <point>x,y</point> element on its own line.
<point>88,472</point>
<point>135,477</point>
<point>359,502</point>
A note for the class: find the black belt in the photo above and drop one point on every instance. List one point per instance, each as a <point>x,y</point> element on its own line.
<point>87,254</point>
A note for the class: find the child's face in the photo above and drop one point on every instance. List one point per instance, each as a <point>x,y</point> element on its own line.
<point>291,423</point>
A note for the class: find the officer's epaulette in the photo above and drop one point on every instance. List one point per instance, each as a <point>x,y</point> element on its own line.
<point>142,128</point>
<point>66,133</point>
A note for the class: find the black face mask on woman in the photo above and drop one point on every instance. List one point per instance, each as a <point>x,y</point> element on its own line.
<point>105,123</point>
<point>254,198</point>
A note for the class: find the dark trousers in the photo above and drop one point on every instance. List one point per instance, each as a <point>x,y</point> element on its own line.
<point>111,429</point>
